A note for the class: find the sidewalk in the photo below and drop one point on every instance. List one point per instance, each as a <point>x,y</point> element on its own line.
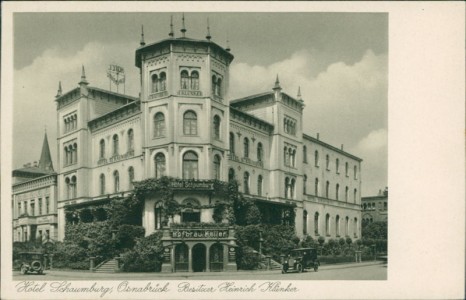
<point>87,275</point>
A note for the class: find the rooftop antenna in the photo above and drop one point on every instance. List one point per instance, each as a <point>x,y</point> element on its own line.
<point>171,34</point>
<point>142,43</point>
<point>208,37</point>
<point>183,29</point>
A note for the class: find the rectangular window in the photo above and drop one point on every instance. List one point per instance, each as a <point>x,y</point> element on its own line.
<point>47,205</point>
<point>40,206</point>
<point>33,206</point>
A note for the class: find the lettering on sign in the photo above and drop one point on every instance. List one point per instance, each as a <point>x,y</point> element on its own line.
<point>192,185</point>
<point>199,233</point>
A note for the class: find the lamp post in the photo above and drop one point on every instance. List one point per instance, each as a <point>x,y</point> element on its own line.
<point>260,242</point>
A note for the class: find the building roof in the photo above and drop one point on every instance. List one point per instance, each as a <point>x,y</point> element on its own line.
<point>45,162</point>
<point>310,138</point>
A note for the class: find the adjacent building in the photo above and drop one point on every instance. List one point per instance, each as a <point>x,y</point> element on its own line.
<point>375,208</point>
<point>34,200</point>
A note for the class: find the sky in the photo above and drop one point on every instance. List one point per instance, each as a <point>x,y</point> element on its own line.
<point>339,60</point>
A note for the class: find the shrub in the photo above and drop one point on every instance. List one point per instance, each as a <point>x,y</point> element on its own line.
<point>146,256</point>
<point>126,236</point>
<point>247,258</point>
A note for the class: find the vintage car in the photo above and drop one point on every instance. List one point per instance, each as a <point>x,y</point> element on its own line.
<point>300,259</point>
<point>31,262</point>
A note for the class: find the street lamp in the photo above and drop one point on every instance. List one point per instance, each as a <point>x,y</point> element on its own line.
<point>260,242</point>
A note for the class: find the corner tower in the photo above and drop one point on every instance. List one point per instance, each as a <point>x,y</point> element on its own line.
<point>184,83</point>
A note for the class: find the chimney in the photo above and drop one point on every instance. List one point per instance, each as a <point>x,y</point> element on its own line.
<point>317,135</point>
<point>341,147</point>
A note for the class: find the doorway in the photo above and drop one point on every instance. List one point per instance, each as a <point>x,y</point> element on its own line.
<point>199,258</point>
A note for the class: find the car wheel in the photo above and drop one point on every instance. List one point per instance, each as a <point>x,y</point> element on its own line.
<point>300,268</point>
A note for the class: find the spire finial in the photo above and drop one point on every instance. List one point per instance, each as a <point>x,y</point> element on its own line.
<point>208,36</point>
<point>171,34</point>
<point>59,91</point>
<point>142,42</point>
<point>299,93</point>
<point>83,77</point>
<point>228,44</point>
<point>277,83</point>
<point>183,28</point>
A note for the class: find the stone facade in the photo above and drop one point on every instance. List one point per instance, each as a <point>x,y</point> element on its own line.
<point>375,208</point>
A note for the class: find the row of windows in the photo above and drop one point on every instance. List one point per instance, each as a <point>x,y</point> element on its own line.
<point>71,154</point>
<point>116,181</point>
<point>116,144</point>
<point>289,126</point>
<point>71,122</point>
<point>189,125</point>
<point>327,163</point>
<point>289,156</point>
<point>71,190</point>
<point>327,225</point>
<point>23,209</point>
<point>188,81</point>
<point>327,190</point>
<point>246,181</point>
<point>371,206</point>
<point>246,150</point>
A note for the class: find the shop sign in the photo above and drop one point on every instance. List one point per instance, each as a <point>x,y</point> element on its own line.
<point>192,185</point>
<point>199,233</point>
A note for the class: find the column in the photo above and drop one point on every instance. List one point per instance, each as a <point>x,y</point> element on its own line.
<point>190,259</point>
<point>207,258</point>
<point>28,232</point>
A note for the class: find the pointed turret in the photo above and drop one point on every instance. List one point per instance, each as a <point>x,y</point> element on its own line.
<point>277,84</point>
<point>59,91</point>
<point>171,34</point>
<point>83,77</point>
<point>142,42</point>
<point>183,28</point>
<point>208,36</point>
<point>45,162</point>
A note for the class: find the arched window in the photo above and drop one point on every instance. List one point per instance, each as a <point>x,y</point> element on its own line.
<point>316,187</point>
<point>355,227</point>
<point>130,177</point>
<point>68,189</point>
<point>155,83</point>
<point>355,195</point>
<point>346,169</point>
<point>337,191</point>
<point>219,87</point>
<point>158,215</point>
<point>130,140</point>
<point>292,188</point>
<point>305,222</point>
<point>293,158</point>
<point>102,184</point>
<point>232,143</point>
<point>346,194</point>
<point>246,182</point>
<point>355,172</point>
<point>316,223</point>
<point>74,190</point>
<point>102,149</point>
<point>75,153</point>
<point>304,184</point>
<point>327,225</point>
<point>214,85</point>
<point>116,181</point>
<point>327,186</point>
<point>184,80</point>
<point>217,167</point>
<point>337,166</point>
<point>337,225</point>
<point>115,145</point>
<point>246,147</point>
<point>190,123</point>
<point>159,125</point>
<point>67,156</point>
<point>316,158</point>
<point>163,81</point>
<point>304,154</point>
<point>259,185</point>
<point>287,187</point>
<point>231,174</point>
<point>191,212</point>
<point>216,123</point>
<point>160,165</point>
<point>327,162</point>
<point>194,80</point>
<point>71,151</point>
<point>260,152</point>
<point>347,226</point>
<point>190,165</point>
<point>286,157</point>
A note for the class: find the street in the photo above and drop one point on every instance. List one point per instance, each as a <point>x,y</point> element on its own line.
<point>350,271</point>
